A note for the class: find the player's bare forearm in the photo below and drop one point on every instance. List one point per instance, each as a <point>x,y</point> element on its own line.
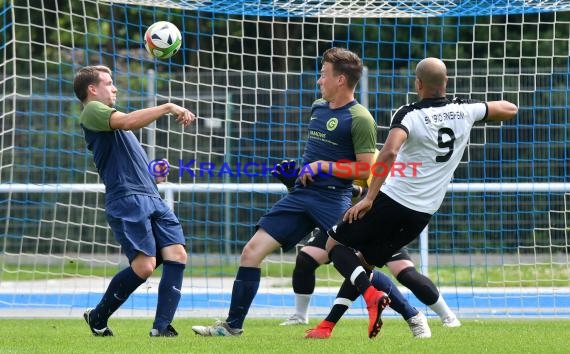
<point>501,110</point>
<point>139,118</point>
<point>143,117</point>
<point>386,157</point>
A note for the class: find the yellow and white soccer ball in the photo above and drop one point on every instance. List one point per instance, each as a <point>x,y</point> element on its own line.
<point>162,40</point>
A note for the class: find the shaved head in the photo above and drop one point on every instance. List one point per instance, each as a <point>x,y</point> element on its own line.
<point>432,74</point>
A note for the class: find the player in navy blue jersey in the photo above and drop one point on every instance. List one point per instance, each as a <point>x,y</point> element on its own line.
<point>143,224</point>
<point>432,134</point>
<point>340,129</point>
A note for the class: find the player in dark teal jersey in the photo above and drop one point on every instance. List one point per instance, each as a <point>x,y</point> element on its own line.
<point>340,129</point>
<point>142,222</point>
<point>334,135</point>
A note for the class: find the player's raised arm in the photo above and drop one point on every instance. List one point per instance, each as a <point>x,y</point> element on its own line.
<point>501,110</point>
<point>143,117</point>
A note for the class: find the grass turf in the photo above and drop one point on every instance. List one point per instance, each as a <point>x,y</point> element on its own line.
<point>266,336</point>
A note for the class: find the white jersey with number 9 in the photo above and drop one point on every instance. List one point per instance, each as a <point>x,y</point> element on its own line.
<point>438,132</point>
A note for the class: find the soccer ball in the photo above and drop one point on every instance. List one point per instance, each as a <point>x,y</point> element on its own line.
<point>162,40</point>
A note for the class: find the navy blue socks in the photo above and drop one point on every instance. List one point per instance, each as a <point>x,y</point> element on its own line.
<point>120,288</point>
<point>397,300</point>
<point>244,290</point>
<point>168,294</point>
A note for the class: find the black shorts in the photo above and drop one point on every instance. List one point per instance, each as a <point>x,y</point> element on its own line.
<point>399,255</point>
<point>386,227</point>
<point>319,239</point>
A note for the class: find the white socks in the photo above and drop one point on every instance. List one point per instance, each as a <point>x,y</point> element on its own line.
<point>440,307</point>
<point>302,305</point>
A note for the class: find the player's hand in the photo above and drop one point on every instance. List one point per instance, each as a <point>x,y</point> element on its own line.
<point>183,116</point>
<point>308,172</point>
<point>357,211</point>
<point>287,173</point>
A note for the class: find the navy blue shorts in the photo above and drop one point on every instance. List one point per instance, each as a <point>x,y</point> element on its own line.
<point>143,224</point>
<point>302,210</point>
<point>384,229</point>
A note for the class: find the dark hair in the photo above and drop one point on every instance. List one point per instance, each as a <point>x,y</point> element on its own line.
<point>344,62</point>
<point>86,76</point>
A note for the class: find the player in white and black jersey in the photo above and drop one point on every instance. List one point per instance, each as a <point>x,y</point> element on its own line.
<point>425,143</point>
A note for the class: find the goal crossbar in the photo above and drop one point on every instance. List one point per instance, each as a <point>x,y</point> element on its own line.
<point>556,187</point>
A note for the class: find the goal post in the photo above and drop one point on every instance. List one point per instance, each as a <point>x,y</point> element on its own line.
<point>497,247</point>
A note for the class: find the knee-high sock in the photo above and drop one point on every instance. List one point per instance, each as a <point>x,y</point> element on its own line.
<point>169,293</point>
<point>348,265</point>
<point>120,288</point>
<point>397,300</point>
<point>420,285</point>
<point>345,297</point>
<point>244,290</point>
<point>425,290</point>
<point>303,282</point>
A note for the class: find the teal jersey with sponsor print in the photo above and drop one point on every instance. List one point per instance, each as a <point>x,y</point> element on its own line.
<point>120,159</point>
<point>338,134</point>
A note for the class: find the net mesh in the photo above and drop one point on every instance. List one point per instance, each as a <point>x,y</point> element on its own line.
<point>248,70</point>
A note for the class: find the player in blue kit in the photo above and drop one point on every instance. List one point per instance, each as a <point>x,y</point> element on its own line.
<point>339,129</point>
<point>143,224</point>
<point>432,132</point>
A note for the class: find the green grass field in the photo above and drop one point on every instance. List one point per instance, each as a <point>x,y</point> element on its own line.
<point>266,336</point>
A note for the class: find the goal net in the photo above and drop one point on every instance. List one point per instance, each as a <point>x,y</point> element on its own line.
<point>248,69</point>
